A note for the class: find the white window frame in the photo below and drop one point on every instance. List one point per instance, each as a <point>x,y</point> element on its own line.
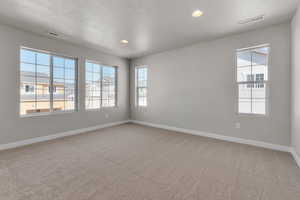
<point>137,87</point>
<point>52,111</point>
<point>267,83</point>
<point>101,85</point>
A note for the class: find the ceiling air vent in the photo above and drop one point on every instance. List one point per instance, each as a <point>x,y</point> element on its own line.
<point>53,34</point>
<point>252,19</point>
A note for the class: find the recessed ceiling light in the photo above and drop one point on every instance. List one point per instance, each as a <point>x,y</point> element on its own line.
<point>124,41</point>
<point>197,13</point>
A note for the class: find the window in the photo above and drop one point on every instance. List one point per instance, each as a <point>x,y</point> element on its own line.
<point>40,74</point>
<point>252,80</point>
<point>141,86</point>
<point>101,85</point>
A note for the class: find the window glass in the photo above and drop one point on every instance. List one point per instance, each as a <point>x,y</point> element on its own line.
<point>38,75</point>
<point>100,84</point>
<point>142,86</point>
<point>252,80</point>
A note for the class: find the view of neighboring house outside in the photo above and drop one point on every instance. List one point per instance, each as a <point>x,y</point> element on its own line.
<point>40,93</point>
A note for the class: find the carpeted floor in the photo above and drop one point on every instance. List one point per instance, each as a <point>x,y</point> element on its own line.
<point>132,162</point>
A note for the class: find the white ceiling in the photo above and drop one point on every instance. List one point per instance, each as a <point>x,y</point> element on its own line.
<point>149,25</point>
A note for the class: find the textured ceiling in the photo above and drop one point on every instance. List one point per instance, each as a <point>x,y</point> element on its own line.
<point>150,25</point>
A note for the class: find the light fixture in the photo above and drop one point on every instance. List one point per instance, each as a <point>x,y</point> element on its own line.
<point>124,41</point>
<point>197,13</point>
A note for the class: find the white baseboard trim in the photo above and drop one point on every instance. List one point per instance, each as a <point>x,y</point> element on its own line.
<point>58,135</point>
<point>295,155</point>
<point>182,130</point>
<point>217,136</point>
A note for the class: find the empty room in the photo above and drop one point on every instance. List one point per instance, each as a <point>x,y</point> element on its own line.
<point>150,100</point>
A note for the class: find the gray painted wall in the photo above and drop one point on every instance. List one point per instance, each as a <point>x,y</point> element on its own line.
<point>295,105</point>
<point>12,127</point>
<point>194,87</point>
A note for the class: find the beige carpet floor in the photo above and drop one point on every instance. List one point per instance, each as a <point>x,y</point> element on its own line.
<point>132,162</point>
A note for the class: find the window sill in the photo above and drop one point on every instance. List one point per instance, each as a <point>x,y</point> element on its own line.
<point>36,115</point>
<point>102,108</point>
<point>252,115</point>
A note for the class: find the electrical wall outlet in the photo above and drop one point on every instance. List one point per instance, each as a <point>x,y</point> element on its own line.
<point>106,116</point>
<point>237,125</point>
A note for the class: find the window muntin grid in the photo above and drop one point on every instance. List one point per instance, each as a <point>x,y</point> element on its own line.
<point>252,80</point>
<point>142,86</point>
<point>101,85</point>
<point>37,73</point>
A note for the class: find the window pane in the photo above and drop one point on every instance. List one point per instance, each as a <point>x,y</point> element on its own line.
<point>70,64</point>
<point>244,99</point>
<point>260,56</point>
<point>70,94</point>
<point>244,58</point>
<point>242,73</point>
<point>142,101</point>
<point>43,59</point>
<point>42,82</point>
<point>97,68</point>
<point>93,86</point>
<point>43,106</point>
<point>88,76</point>
<point>27,68</point>
<point>58,72</point>
<point>93,103</point>
<point>88,67</point>
<point>96,103</point>
<point>142,92</point>
<point>96,76</point>
<point>58,61</point>
<point>27,107</point>
<point>261,69</point>
<point>69,105</point>
<point>27,56</point>
<point>105,102</point>
<point>69,74</point>
<point>259,99</point>
<point>58,105</point>
<point>25,79</point>
<point>108,86</point>
<point>59,98</point>
<point>142,83</point>
<point>42,95</point>
<point>43,71</point>
<point>34,82</point>
<point>88,103</point>
<point>108,71</point>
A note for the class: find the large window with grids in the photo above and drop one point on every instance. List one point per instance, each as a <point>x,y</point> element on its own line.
<point>252,80</point>
<point>48,83</point>
<point>101,85</point>
<point>141,86</point>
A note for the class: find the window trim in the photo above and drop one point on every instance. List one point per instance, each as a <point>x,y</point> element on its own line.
<point>51,112</point>
<point>136,86</point>
<point>116,85</point>
<point>267,83</point>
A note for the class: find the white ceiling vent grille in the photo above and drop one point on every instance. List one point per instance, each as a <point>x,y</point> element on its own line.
<point>53,34</point>
<point>252,19</point>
